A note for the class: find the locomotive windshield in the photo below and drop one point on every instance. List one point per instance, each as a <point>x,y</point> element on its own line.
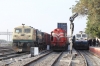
<point>78,35</point>
<point>83,35</point>
<point>18,30</point>
<point>27,30</point>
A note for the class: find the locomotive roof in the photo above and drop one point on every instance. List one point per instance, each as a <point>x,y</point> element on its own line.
<point>24,26</point>
<point>80,33</point>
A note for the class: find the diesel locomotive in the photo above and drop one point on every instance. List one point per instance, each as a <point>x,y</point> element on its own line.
<point>81,41</point>
<point>59,39</point>
<point>25,37</point>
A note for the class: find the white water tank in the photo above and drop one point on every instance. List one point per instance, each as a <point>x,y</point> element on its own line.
<point>34,51</point>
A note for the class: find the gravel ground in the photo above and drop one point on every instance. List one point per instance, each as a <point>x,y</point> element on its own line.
<point>25,59</point>
<point>67,58</point>
<point>11,60</point>
<point>47,61</point>
<point>78,60</point>
<point>64,60</point>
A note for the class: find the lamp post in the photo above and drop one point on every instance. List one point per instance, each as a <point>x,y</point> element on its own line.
<point>72,29</point>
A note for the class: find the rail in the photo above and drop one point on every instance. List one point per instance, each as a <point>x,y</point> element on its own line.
<point>57,59</point>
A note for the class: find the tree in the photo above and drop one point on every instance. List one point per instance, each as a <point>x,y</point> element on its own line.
<point>91,8</point>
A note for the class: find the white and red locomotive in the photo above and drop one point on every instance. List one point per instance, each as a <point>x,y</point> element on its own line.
<point>59,39</point>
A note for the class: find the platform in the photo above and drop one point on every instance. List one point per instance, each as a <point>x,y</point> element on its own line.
<point>95,50</point>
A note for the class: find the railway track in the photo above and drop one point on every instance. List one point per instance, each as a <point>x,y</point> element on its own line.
<point>46,60</point>
<point>5,54</point>
<point>85,63</point>
<point>5,50</point>
<point>75,59</point>
<point>65,59</point>
<point>57,59</point>
<point>91,59</point>
<point>11,55</point>
<point>83,58</point>
<point>28,60</point>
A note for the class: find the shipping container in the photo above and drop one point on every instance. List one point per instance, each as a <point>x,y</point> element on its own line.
<point>62,26</point>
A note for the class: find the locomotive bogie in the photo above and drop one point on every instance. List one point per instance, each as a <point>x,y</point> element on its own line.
<point>81,45</point>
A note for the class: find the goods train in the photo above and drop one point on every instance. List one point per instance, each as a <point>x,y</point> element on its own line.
<point>81,41</point>
<point>59,39</point>
<point>25,37</point>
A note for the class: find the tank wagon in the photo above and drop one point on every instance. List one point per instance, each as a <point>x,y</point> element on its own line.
<point>25,37</point>
<point>81,41</point>
<point>59,39</point>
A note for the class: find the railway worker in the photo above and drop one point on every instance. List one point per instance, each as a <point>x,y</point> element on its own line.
<point>94,42</point>
<point>90,42</point>
<point>97,42</point>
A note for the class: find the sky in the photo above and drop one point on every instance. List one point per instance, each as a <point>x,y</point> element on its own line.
<point>40,14</point>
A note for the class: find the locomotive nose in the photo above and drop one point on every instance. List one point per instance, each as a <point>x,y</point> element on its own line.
<point>22,34</point>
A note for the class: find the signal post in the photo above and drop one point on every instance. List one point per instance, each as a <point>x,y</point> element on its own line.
<point>72,29</point>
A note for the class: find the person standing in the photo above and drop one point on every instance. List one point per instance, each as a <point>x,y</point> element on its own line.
<point>97,42</point>
<point>90,42</point>
<point>94,42</point>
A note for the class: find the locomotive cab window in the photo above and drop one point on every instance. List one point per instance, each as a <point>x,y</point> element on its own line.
<point>78,35</point>
<point>27,30</point>
<point>18,30</point>
<point>83,35</point>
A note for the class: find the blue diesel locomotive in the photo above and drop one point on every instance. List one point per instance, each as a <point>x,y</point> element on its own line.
<point>81,41</point>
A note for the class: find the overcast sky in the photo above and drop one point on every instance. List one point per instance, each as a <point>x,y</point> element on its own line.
<point>41,14</point>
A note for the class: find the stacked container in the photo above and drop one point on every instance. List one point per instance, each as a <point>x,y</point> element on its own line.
<point>62,26</point>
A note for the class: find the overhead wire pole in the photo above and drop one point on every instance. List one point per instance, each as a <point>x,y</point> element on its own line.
<point>7,35</point>
<point>72,29</point>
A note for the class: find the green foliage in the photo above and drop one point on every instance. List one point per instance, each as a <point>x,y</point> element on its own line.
<point>91,8</point>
